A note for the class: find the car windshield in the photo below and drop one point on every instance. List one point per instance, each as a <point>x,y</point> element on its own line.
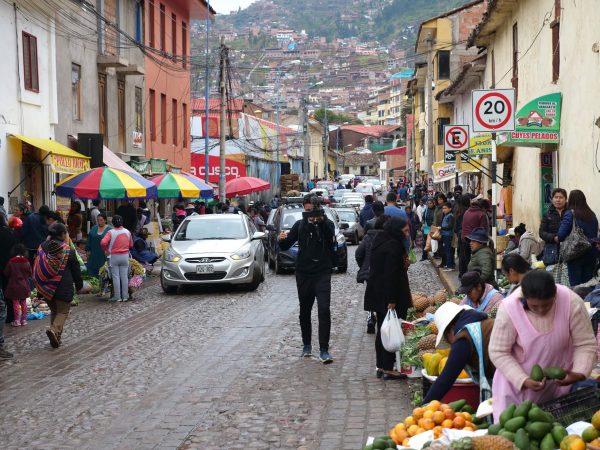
<point>364,188</point>
<point>340,193</point>
<point>347,216</point>
<point>289,218</point>
<point>223,228</point>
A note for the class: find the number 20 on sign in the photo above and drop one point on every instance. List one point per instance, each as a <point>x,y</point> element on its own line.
<point>493,110</point>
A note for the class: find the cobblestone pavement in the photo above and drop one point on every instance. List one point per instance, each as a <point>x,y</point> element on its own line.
<point>207,369</point>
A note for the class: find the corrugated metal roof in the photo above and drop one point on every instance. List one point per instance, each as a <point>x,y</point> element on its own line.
<point>214,104</point>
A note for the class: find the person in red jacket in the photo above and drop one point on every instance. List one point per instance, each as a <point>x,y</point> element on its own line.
<point>18,273</point>
<point>474,217</point>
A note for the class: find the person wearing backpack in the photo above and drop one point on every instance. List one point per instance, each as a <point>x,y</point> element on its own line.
<point>315,235</point>
<point>117,243</point>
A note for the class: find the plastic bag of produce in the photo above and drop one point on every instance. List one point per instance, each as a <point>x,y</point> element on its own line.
<point>392,337</point>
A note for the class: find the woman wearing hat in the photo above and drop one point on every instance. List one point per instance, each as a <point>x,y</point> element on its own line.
<point>55,271</point>
<point>387,285</point>
<point>545,324</point>
<point>467,332</point>
<point>482,256</point>
<point>479,295</point>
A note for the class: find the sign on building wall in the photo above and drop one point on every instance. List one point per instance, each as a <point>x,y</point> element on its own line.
<point>546,180</point>
<point>137,139</point>
<point>68,164</point>
<point>443,171</point>
<point>480,144</point>
<point>456,139</point>
<point>538,122</point>
<point>233,168</point>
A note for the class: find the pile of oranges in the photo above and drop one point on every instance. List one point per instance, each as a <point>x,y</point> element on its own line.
<point>435,416</point>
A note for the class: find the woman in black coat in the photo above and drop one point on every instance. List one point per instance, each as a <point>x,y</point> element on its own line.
<point>551,223</point>
<point>387,285</point>
<point>7,242</point>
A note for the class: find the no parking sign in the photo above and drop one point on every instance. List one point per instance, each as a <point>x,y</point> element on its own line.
<point>493,110</point>
<point>456,139</point>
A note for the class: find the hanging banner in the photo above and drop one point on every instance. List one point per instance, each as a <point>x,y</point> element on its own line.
<point>443,171</point>
<point>480,144</point>
<point>538,122</point>
<point>68,164</point>
<point>234,168</point>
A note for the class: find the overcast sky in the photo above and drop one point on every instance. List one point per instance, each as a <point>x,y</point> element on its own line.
<point>224,6</point>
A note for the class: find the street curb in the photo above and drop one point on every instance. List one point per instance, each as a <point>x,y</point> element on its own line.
<point>450,282</point>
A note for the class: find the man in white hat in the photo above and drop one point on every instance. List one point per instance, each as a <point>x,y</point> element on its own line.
<point>467,332</point>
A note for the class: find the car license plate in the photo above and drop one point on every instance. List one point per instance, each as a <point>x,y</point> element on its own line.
<point>205,268</point>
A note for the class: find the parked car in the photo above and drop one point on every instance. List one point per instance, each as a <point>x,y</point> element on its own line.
<point>354,232</point>
<point>346,177</point>
<point>284,219</point>
<point>376,182</point>
<point>365,189</point>
<point>339,193</point>
<point>267,239</point>
<point>327,184</point>
<point>353,199</point>
<point>323,194</point>
<point>214,249</point>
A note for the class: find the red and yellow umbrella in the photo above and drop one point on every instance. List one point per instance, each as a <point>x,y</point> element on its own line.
<point>179,185</point>
<point>105,183</point>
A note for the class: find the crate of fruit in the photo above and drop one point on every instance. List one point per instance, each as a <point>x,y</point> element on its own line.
<point>576,406</point>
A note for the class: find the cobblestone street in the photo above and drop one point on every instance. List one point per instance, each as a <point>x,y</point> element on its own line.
<point>206,369</point>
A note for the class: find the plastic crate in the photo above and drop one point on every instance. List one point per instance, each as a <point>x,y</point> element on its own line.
<point>576,406</point>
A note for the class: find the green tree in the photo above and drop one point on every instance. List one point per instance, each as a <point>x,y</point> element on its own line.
<point>335,118</point>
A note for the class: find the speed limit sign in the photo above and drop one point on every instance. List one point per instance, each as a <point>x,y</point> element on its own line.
<point>493,110</point>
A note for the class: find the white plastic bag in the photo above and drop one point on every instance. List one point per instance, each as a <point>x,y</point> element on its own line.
<point>434,245</point>
<point>392,337</point>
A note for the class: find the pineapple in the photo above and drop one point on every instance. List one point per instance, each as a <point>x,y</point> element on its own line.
<point>433,328</point>
<point>440,296</point>
<point>430,309</point>
<point>420,302</point>
<point>486,442</point>
<point>427,342</point>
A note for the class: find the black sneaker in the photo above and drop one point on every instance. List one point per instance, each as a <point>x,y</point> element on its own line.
<point>5,354</point>
<point>54,342</point>
<point>325,357</point>
<point>306,351</point>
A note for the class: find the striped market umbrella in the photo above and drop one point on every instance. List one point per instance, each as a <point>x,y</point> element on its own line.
<point>179,185</point>
<point>105,183</point>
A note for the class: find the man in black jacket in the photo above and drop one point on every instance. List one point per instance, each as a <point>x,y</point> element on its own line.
<point>315,235</point>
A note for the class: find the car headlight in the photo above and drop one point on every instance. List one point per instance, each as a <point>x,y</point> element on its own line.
<point>171,256</point>
<point>341,239</point>
<point>242,253</point>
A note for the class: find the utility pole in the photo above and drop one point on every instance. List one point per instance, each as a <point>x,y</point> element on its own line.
<point>413,150</point>
<point>223,113</point>
<point>337,152</point>
<point>429,93</point>
<point>206,97</point>
<point>325,142</point>
<point>305,137</point>
<point>277,166</point>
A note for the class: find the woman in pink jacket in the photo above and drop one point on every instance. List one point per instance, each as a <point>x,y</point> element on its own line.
<point>117,244</point>
<point>539,323</point>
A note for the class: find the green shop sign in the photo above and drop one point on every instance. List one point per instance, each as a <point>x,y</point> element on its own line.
<point>538,122</point>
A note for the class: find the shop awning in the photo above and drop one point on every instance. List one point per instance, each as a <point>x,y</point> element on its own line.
<point>114,162</point>
<point>62,158</point>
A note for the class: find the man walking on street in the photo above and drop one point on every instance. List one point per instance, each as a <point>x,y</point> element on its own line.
<point>392,209</point>
<point>315,235</point>
<point>367,212</point>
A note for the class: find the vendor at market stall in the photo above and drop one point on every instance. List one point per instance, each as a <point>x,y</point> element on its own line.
<point>545,324</point>
<point>467,332</point>
<point>479,295</point>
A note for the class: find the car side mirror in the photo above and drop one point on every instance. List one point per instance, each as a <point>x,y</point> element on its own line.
<point>258,235</point>
<point>344,226</point>
<point>270,228</point>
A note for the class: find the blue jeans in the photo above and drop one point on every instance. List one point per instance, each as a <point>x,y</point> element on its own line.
<point>581,270</point>
<point>448,251</point>
<point>119,270</point>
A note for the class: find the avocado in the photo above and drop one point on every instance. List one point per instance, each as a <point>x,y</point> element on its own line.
<point>558,433</point>
<point>523,409</point>
<point>538,430</point>
<point>380,444</point>
<point>508,435</point>
<point>548,443</point>
<point>555,373</point>
<point>507,414</point>
<point>457,405</point>
<point>536,373</point>
<point>535,414</point>
<point>494,429</point>
<point>467,408</point>
<point>483,426</point>
<point>514,424</point>
<point>522,439</point>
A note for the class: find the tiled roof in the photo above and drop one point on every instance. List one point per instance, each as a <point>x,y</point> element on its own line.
<point>371,130</point>
<point>361,159</point>
<point>199,104</point>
